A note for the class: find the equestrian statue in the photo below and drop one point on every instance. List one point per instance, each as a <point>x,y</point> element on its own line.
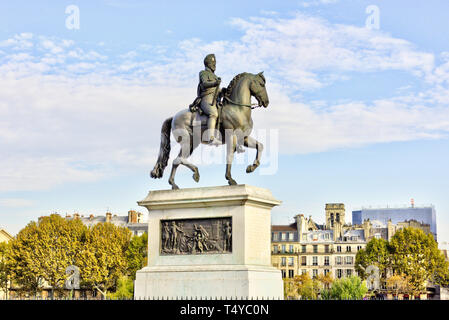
<point>215,113</point>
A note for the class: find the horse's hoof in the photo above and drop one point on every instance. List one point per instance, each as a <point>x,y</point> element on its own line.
<point>250,169</point>
<point>174,186</point>
<point>196,176</point>
<point>232,182</point>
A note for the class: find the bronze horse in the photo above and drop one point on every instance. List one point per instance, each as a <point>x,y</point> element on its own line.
<point>235,126</point>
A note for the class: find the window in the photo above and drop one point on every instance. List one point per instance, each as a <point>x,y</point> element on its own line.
<point>326,261</point>
<point>291,273</point>
<point>348,248</point>
<point>275,236</point>
<point>283,261</point>
<point>283,248</point>
<point>315,261</point>
<point>315,248</point>
<point>290,261</point>
<point>359,248</point>
<point>283,273</point>
<point>338,248</point>
<point>303,260</point>
<point>291,236</point>
<point>315,273</point>
<point>326,248</point>
<point>290,248</point>
<point>354,238</point>
<point>338,260</point>
<point>326,272</point>
<point>275,249</point>
<point>327,236</point>
<point>339,273</point>
<point>348,272</point>
<point>349,260</point>
<point>283,236</point>
<point>303,248</point>
<point>303,271</point>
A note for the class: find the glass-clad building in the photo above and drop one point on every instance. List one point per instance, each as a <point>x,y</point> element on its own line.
<point>421,214</point>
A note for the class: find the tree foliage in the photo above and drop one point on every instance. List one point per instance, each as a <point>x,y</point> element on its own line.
<point>416,255</point>
<point>5,275</point>
<point>42,251</point>
<point>103,257</point>
<point>375,253</point>
<point>351,288</point>
<point>411,254</point>
<point>136,254</point>
<point>306,288</point>
<point>124,290</point>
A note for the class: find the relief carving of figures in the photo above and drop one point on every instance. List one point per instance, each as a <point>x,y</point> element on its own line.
<point>227,236</point>
<point>196,236</point>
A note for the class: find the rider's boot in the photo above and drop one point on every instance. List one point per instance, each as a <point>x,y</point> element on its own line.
<point>211,128</point>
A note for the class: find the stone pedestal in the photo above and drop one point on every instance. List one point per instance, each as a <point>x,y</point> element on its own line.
<point>216,266</point>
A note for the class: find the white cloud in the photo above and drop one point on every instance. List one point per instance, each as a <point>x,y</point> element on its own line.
<point>15,203</point>
<point>312,3</point>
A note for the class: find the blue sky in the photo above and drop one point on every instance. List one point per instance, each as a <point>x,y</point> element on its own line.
<point>362,115</point>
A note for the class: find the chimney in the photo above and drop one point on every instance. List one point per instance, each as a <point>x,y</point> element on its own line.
<point>132,216</point>
<point>390,230</point>
<point>108,216</point>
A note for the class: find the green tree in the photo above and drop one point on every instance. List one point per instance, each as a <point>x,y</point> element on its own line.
<point>351,288</point>
<point>42,251</point>
<point>308,288</point>
<point>136,254</point>
<point>416,255</point>
<point>124,289</point>
<point>103,258</point>
<point>375,253</point>
<point>398,284</point>
<point>5,275</point>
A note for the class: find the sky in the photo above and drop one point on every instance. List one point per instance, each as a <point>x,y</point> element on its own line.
<point>358,114</point>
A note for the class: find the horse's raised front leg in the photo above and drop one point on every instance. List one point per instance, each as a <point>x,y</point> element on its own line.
<point>230,149</point>
<point>250,142</point>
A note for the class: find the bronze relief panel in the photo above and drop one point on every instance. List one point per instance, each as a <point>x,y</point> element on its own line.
<point>196,236</point>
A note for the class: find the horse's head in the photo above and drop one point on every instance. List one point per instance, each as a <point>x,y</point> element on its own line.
<point>258,89</point>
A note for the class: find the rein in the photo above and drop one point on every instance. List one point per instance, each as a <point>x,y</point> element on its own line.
<point>242,104</point>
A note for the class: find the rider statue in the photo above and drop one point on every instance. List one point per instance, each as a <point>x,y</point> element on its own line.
<point>208,88</point>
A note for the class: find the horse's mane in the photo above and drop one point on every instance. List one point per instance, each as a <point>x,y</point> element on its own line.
<point>234,82</point>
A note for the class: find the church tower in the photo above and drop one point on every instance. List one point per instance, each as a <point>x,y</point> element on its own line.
<point>335,212</point>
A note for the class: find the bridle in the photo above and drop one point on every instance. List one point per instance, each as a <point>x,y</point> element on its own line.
<point>252,105</point>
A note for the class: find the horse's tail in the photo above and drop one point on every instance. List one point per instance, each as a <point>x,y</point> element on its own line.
<point>164,151</point>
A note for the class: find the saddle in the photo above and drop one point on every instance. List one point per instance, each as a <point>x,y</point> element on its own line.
<point>195,105</point>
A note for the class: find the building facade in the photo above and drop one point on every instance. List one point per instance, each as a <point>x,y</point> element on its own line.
<point>5,236</point>
<point>306,247</point>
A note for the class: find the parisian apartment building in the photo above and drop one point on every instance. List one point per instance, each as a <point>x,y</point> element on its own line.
<point>330,248</point>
